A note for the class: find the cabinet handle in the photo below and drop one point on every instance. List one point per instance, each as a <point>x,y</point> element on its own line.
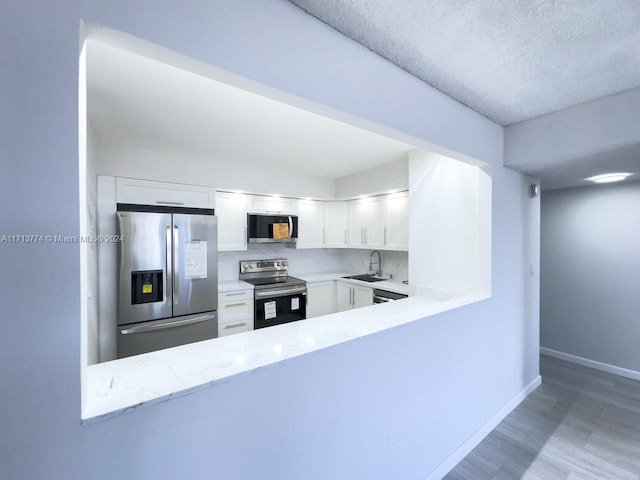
<point>239,304</point>
<point>245,236</point>
<point>366,236</point>
<point>385,235</point>
<point>233,294</point>
<point>324,236</point>
<point>234,325</point>
<point>345,236</point>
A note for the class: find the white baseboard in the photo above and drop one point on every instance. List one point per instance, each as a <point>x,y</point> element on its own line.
<point>464,449</point>
<point>605,367</point>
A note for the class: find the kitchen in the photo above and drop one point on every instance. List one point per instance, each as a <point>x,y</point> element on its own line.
<point>355,202</point>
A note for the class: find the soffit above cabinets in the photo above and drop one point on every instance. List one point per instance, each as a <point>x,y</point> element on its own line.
<point>139,102</point>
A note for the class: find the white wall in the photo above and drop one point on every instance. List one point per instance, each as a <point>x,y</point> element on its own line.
<point>590,290</point>
<point>219,173</point>
<point>381,179</point>
<point>450,224</point>
<point>575,132</point>
<point>582,139</point>
<point>323,415</point>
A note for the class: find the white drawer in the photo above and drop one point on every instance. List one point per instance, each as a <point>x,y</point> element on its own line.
<point>240,326</point>
<point>235,296</point>
<point>237,310</point>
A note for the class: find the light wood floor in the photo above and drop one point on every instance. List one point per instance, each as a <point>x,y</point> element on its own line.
<point>580,424</point>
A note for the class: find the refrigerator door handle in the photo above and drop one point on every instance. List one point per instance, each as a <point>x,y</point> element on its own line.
<point>169,263</point>
<point>176,266</point>
<point>172,323</point>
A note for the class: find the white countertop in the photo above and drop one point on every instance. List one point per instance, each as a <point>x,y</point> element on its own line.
<point>388,285</point>
<point>233,286</point>
<point>124,385</point>
<point>320,277</point>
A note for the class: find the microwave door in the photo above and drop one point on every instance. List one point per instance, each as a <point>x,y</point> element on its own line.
<point>195,260</point>
<point>144,267</point>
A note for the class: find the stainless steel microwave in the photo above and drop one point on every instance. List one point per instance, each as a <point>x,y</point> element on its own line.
<point>270,228</point>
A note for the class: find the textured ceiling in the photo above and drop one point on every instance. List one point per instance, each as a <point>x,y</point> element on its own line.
<point>510,60</point>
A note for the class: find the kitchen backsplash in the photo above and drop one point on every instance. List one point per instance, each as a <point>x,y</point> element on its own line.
<point>393,263</point>
<point>314,260</point>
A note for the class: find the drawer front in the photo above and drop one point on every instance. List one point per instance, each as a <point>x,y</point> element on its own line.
<point>235,296</point>
<point>234,311</point>
<point>231,328</point>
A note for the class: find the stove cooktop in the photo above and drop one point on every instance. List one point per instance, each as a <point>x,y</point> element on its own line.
<point>274,281</point>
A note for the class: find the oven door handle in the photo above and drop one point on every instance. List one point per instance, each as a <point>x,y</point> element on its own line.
<point>283,292</point>
<point>379,299</point>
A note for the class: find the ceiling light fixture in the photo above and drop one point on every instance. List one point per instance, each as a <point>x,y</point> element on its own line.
<point>608,177</point>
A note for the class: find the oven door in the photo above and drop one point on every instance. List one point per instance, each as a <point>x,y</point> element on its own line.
<point>277,306</point>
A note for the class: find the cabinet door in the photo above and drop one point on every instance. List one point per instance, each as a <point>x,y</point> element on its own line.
<point>310,224</point>
<point>149,192</point>
<point>374,230</point>
<point>273,204</point>
<point>362,296</point>
<point>396,233</point>
<point>335,224</point>
<point>358,210</point>
<point>344,296</point>
<point>321,298</point>
<point>232,221</point>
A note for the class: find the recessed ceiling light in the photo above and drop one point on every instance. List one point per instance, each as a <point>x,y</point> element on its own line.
<point>608,177</point>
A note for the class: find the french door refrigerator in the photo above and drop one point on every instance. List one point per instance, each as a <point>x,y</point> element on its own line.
<point>167,278</point>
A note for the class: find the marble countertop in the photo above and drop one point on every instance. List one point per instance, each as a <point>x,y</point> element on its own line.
<point>389,285</point>
<point>320,277</point>
<point>233,286</point>
<point>125,385</point>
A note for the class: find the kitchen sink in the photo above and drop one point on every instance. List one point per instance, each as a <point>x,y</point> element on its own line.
<point>365,278</point>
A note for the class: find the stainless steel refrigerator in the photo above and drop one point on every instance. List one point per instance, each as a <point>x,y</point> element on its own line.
<point>167,279</point>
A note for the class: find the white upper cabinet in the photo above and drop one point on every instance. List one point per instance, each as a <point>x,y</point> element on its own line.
<point>335,224</point>
<point>374,230</point>
<point>273,204</point>
<point>148,192</point>
<point>357,223</point>
<point>311,226</point>
<point>232,221</point>
<point>366,223</point>
<point>396,229</point>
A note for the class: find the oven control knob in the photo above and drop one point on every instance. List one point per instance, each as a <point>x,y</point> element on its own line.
<point>278,264</point>
<point>284,264</point>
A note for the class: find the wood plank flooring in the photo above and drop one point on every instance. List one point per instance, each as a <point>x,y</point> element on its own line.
<point>580,424</point>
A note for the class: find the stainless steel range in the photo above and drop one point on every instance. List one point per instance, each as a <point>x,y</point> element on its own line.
<point>278,298</point>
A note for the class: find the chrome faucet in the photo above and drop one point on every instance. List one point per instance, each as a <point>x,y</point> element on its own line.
<point>378,272</point>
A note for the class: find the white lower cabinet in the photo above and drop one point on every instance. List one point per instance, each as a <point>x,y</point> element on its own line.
<point>321,298</point>
<point>351,296</point>
<point>235,312</point>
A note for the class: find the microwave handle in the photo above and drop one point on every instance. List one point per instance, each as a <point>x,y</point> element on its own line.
<point>290,227</point>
